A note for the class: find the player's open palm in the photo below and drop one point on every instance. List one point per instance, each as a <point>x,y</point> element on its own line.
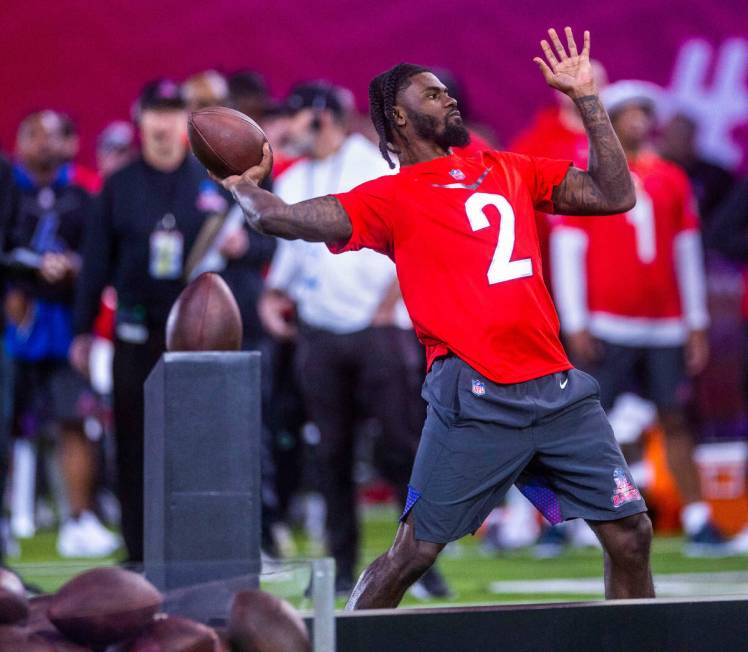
<point>569,72</point>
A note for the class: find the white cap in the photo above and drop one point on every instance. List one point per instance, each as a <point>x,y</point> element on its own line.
<point>632,91</point>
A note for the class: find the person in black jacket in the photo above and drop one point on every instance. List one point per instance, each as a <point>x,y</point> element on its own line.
<point>42,242</point>
<point>6,210</point>
<point>148,218</point>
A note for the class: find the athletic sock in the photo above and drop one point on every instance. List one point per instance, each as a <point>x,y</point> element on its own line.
<point>694,516</point>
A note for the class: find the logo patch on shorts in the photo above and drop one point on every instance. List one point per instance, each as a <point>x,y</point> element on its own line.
<point>625,492</point>
<point>479,387</point>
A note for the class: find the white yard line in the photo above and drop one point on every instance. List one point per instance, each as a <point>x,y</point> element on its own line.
<point>675,585</point>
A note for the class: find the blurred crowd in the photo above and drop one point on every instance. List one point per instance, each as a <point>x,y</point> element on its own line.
<point>93,259</point>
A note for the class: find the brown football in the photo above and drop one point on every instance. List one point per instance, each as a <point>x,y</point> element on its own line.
<point>225,141</point>
<point>205,317</point>
<point>174,634</point>
<point>103,606</point>
<point>13,603</point>
<point>260,622</point>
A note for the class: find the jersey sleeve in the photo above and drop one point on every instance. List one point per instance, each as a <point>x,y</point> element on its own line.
<point>369,207</point>
<point>541,176</point>
<point>547,173</point>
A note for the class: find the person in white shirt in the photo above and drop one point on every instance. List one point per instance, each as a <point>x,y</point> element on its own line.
<point>352,331</point>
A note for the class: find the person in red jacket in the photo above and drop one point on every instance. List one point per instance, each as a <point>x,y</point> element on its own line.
<point>630,291</point>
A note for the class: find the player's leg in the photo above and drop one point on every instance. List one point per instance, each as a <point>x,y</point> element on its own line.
<point>472,449</point>
<point>669,389</point>
<point>626,543</point>
<point>384,582</point>
<point>580,465</point>
<point>390,397</point>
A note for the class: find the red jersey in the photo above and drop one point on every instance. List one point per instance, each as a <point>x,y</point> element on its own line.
<point>462,234</point>
<point>630,267</point>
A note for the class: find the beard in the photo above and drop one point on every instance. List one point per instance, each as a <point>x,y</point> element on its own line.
<point>452,134</point>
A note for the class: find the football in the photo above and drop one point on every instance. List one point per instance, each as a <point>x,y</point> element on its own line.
<point>205,317</point>
<point>13,604</point>
<point>174,634</point>
<point>260,622</point>
<point>225,141</point>
<point>103,606</point>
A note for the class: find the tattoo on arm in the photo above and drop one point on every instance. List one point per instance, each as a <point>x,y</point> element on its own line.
<point>606,186</point>
<point>316,220</point>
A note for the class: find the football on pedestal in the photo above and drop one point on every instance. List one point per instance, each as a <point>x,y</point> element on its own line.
<point>205,317</point>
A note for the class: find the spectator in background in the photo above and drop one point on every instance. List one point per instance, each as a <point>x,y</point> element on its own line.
<point>728,235</point>
<point>148,217</point>
<point>115,148</point>
<point>349,313</point>
<point>208,88</point>
<point>248,93</point>
<point>630,292</point>
<point>711,183</point>
<point>70,144</point>
<point>7,203</point>
<point>43,239</point>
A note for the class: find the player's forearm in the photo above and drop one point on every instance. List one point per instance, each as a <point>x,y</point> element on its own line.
<point>606,186</point>
<point>316,220</point>
<point>607,161</point>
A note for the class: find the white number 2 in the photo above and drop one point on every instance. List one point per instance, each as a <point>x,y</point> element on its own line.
<point>502,268</point>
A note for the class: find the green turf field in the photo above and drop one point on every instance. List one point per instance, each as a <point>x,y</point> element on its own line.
<point>470,573</point>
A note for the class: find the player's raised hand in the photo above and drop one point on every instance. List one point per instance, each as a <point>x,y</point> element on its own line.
<point>254,175</point>
<point>569,72</point>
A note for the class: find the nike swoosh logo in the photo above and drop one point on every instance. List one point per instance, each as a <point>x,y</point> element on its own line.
<point>563,383</point>
<point>464,186</point>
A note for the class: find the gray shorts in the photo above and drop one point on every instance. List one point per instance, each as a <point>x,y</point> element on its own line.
<point>549,435</point>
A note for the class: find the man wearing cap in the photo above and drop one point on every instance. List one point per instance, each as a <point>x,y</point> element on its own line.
<point>352,327</point>
<point>147,218</point>
<point>630,292</point>
<point>115,147</point>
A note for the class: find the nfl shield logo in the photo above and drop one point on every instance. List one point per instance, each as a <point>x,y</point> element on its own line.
<point>479,387</point>
<point>456,174</point>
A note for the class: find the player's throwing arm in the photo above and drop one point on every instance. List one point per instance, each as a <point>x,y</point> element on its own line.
<point>606,187</point>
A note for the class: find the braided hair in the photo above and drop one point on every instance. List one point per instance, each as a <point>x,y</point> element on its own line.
<point>383,91</point>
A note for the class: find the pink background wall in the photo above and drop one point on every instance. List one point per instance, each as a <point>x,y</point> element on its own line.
<point>90,59</point>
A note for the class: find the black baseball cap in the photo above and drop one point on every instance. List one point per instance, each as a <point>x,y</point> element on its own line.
<point>161,94</point>
<point>318,95</point>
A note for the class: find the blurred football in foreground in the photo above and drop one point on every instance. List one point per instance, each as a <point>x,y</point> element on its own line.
<point>13,603</point>
<point>225,141</point>
<point>205,317</point>
<point>174,634</point>
<point>103,606</point>
<point>260,622</point>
